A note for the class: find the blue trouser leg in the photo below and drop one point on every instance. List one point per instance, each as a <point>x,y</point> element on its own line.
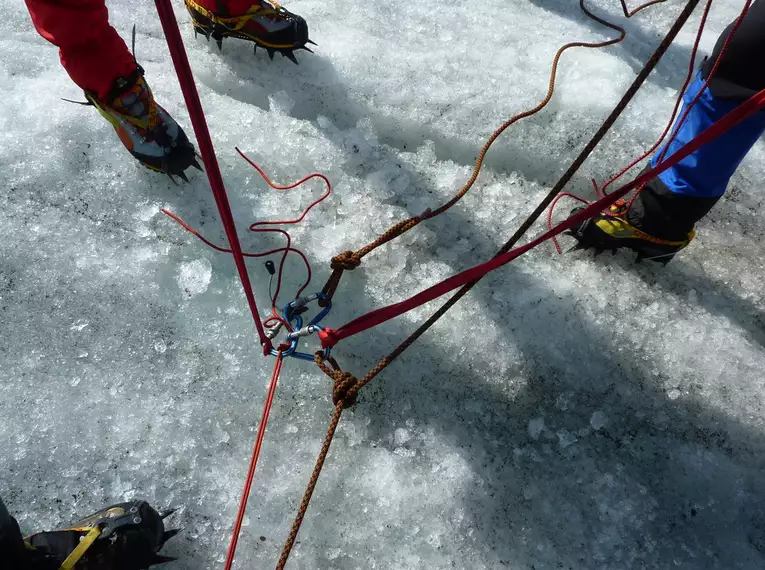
<point>670,206</point>
<point>706,172</point>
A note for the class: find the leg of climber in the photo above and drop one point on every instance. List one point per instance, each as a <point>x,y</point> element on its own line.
<point>661,219</point>
<point>98,61</point>
<point>91,51</point>
<point>266,24</point>
<point>12,550</point>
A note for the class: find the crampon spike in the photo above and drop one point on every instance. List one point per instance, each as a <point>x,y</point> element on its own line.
<point>663,259</point>
<point>182,176</point>
<point>311,42</point>
<point>196,165</point>
<point>255,49</point>
<point>170,176</point>
<point>84,104</point>
<point>291,56</point>
<point>160,559</point>
<point>219,41</point>
<point>164,514</point>
<point>309,50</point>
<point>577,247</point>
<point>169,534</point>
<point>271,52</point>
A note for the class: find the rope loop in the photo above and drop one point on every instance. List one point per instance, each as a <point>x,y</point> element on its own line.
<point>347,260</point>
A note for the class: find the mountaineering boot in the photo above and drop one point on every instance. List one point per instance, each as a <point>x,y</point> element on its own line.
<point>613,229</point>
<point>126,536</point>
<point>265,23</point>
<point>148,132</point>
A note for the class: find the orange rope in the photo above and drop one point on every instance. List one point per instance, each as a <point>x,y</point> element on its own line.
<point>346,386</point>
<point>402,227</point>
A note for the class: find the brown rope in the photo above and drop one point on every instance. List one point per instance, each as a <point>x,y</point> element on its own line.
<point>338,412</point>
<point>346,386</point>
<point>346,261</point>
<point>629,14</point>
<point>402,227</point>
<point>336,374</point>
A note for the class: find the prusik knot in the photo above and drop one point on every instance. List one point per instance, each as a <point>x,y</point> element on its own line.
<point>344,388</point>
<point>348,260</point>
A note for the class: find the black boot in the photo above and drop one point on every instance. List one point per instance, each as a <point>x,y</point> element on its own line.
<point>127,536</point>
<point>659,223</point>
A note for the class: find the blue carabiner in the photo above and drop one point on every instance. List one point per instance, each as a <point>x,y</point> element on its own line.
<point>296,323</point>
<point>324,312</point>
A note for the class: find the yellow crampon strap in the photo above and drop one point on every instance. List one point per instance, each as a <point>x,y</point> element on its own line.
<point>617,226</point>
<point>114,116</point>
<point>81,549</point>
<point>235,23</point>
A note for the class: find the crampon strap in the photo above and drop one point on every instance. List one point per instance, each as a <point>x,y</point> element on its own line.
<point>233,23</point>
<point>85,543</point>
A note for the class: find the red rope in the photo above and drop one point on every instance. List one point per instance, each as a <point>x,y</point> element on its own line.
<point>272,321</point>
<point>186,79</point>
<point>678,102</point>
<point>712,73</point>
<point>256,226</point>
<point>286,250</point>
<point>602,191</point>
<point>331,337</point>
<point>253,462</point>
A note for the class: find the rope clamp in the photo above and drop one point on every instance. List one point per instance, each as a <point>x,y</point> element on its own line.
<point>273,331</point>
<point>292,314</point>
<point>305,331</point>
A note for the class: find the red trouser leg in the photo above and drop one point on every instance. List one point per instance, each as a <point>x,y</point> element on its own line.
<point>92,52</point>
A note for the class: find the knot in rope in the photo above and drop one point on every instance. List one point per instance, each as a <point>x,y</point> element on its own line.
<point>344,388</point>
<point>347,260</point>
<point>346,385</point>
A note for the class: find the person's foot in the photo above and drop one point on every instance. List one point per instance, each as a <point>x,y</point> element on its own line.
<point>127,536</point>
<point>612,230</point>
<point>148,132</point>
<point>266,24</point>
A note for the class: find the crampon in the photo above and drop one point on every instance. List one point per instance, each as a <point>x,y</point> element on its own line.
<point>126,536</point>
<point>611,231</point>
<point>266,24</point>
<point>148,132</point>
